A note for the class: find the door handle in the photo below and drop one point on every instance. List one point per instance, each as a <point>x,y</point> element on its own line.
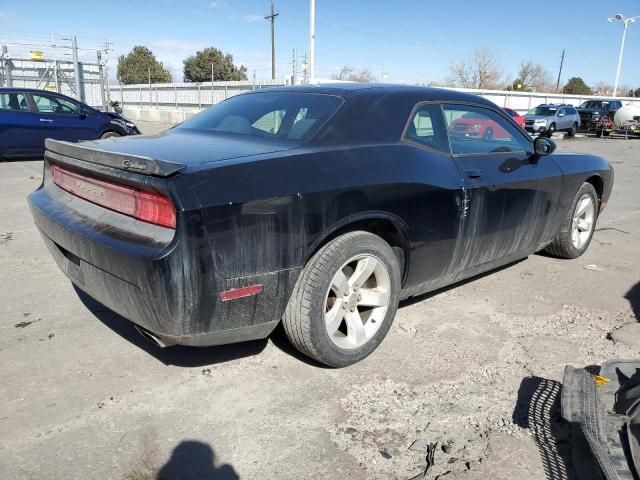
<point>46,120</point>
<point>474,173</point>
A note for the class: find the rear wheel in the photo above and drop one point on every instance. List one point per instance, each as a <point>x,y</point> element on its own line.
<point>578,226</point>
<point>345,300</point>
<point>110,134</point>
<point>574,129</point>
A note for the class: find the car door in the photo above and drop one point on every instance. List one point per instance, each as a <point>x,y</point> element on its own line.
<point>562,122</point>
<point>19,126</point>
<point>63,118</point>
<point>511,195</point>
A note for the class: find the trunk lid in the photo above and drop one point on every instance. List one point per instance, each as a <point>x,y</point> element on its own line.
<point>166,153</point>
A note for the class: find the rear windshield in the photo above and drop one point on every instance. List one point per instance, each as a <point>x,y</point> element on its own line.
<point>276,115</point>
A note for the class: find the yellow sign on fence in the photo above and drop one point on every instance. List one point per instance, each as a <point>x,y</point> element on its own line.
<point>37,55</point>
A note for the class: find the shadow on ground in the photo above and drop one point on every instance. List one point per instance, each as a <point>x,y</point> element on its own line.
<point>190,460</point>
<point>193,460</point>
<point>175,355</point>
<point>564,452</point>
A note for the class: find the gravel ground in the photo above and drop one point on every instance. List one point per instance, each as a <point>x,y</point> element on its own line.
<point>474,368</point>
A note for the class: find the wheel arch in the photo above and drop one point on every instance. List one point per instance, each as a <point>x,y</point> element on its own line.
<point>598,184</point>
<point>391,228</point>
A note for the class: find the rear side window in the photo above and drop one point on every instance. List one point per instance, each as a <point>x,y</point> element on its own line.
<point>272,115</point>
<point>476,130</point>
<point>14,101</point>
<point>427,128</point>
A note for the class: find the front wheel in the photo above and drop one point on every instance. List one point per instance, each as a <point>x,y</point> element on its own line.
<point>574,130</point>
<point>578,226</point>
<point>110,134</point>
<point>551,130</point>
<point>345,299</point>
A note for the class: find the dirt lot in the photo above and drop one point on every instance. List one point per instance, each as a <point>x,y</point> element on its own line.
<point>84,396</point>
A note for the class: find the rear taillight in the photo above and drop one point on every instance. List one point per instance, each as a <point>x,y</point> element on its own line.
<point>144,205</point>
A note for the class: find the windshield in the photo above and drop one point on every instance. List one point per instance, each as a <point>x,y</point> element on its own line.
<point>544,111</point>
<point>591,105</point>
<point>276,115</point>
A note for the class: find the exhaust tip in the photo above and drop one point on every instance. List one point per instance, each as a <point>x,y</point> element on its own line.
<point>152,337</point>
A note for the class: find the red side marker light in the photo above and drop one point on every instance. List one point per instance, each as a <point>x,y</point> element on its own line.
<point>240,292</point>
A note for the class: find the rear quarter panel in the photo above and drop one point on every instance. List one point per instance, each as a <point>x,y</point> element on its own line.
<point>578,168</point>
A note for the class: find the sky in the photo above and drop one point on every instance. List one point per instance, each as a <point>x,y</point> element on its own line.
<point>414,41</point>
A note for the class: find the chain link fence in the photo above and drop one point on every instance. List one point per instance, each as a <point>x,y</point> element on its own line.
<point>182,96</point>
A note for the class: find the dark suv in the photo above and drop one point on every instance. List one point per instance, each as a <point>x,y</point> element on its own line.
<point>591,111</point>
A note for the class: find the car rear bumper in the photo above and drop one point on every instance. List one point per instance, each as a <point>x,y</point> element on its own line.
<point>160,280</point>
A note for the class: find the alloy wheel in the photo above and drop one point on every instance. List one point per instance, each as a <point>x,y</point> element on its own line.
<point>583,221</point>
<point>357,301</point>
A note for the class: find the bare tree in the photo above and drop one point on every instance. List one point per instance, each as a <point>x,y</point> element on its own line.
<point>535,77</point>
<point>481,70</point>
<point>350,74</point>
<point>602,88</point>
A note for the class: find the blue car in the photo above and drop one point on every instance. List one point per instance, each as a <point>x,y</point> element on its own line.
<point>28,117</point>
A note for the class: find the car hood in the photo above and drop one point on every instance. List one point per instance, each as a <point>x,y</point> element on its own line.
<point>116,116</point>
<point>190,147</point>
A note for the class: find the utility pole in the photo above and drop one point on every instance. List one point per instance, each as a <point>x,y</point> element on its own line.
<point>312,39</point>
<point>101,73</point>
<point>76,68</point>
<point>55,65</point>
<point>294,72</point>
<point>7,64</point>
<point>272,17</point>
<point>560,72</point>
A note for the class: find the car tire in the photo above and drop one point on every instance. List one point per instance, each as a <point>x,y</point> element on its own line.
<point>551,130</point>
<point>109,135</point>
<point>321,318</point>
<point>606,133</point>
<point>574,130</point>
<point>599,132</point>
<point>488,134</point>
<point>577,229</point>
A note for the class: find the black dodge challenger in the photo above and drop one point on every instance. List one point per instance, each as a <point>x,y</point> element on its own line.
<point>318,206</point>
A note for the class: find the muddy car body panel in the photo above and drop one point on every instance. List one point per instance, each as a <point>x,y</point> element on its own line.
<point>252,211</point>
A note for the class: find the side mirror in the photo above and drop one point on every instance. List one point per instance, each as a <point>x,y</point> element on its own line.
<point>561,114</point>
<point>544,146</point>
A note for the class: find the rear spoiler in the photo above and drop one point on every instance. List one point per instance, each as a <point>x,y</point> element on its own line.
<point>121,161</point>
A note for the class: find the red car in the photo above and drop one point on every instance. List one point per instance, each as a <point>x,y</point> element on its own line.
<point>515,115</point>
<point>476,125</point>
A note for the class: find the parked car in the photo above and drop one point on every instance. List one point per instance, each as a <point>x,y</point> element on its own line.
<point>550,118</point>
<point>28,117</point>
<point>519,119</point>
<point>477,125</point>
<point>591,111</point>
<point>321,206</point>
